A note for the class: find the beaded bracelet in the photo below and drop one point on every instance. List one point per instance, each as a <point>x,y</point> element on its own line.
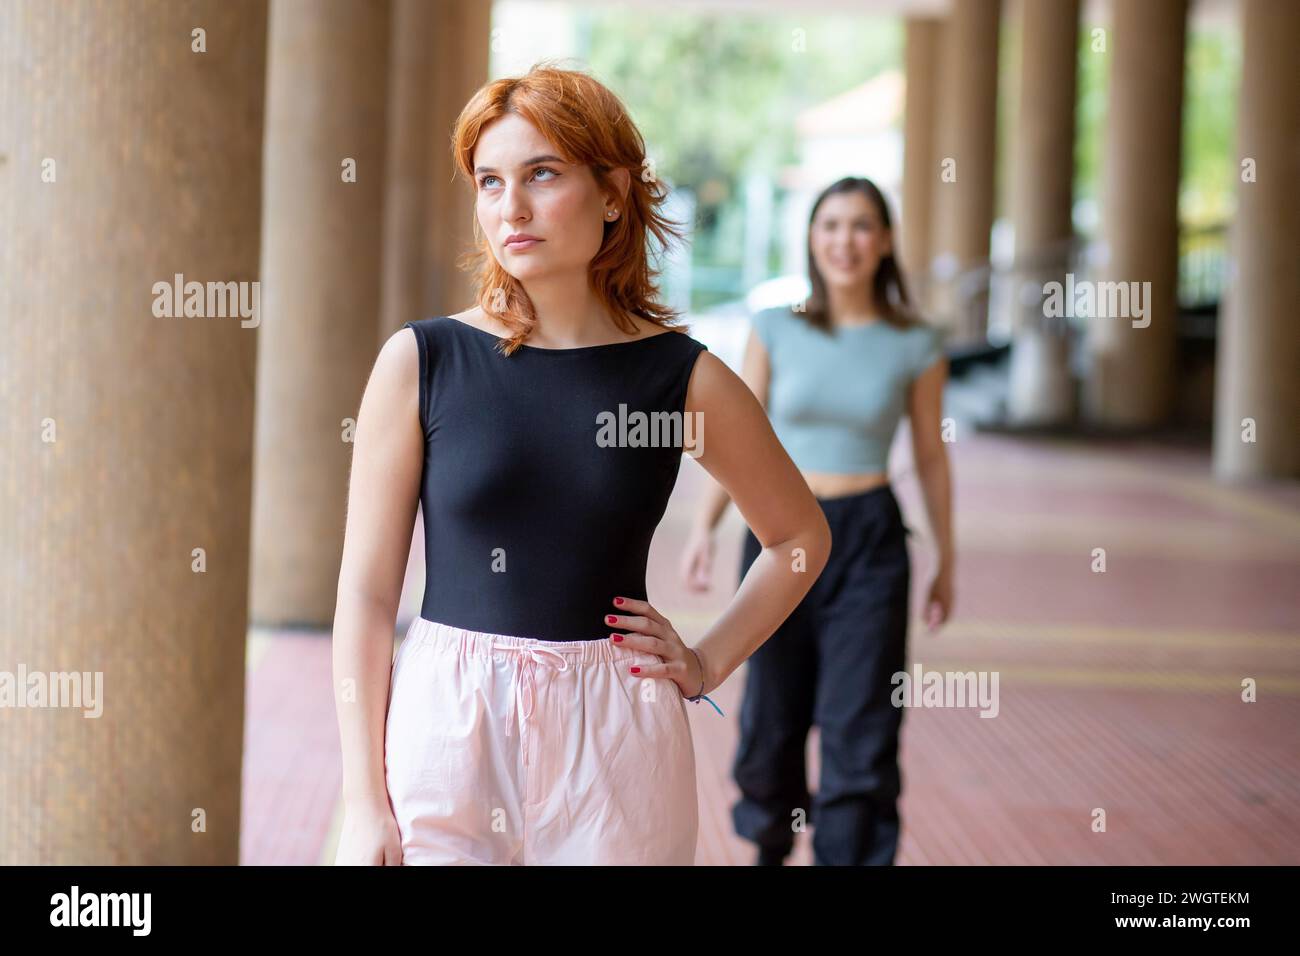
<point>701,695</point>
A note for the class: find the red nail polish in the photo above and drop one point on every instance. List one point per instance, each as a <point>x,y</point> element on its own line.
<point>610,619</point>
<point>618,601</point>
<point>636,670</point>
<point>616,637</point>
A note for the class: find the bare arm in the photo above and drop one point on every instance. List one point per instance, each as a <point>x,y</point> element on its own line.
<point>743,454</point>
<point>930,457</point>
<point>383,495</point>
<point>755,372</point>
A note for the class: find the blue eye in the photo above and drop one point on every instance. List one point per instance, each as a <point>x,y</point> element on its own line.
<point>483,182</point>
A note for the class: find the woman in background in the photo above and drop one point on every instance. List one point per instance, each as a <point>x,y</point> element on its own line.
<point>835,378</point>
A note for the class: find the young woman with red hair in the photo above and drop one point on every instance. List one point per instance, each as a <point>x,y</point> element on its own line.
<point>535,712</point>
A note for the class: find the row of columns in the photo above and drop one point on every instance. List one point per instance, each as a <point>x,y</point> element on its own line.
<point>1042,200</point>
<point>363,226</point>
<point>126,443</point>
<point>949,129</point>
<point>326,97</point>
<point>372,138</point>
<point>1257,387</point>
<point>1131,376</point>
<point>135,150</point>
<point>965,139</point>
<point>131,155</point>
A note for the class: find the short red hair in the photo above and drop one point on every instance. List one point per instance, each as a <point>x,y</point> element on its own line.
<point>589,126</point>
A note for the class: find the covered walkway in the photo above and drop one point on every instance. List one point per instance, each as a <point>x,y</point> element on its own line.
<point>173,476</point>
<point>1119,690</point>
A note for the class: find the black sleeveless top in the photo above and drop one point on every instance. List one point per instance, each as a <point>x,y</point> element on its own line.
<point>540,494</point>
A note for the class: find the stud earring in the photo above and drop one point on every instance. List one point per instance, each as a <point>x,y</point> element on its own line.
<point>611,213</point>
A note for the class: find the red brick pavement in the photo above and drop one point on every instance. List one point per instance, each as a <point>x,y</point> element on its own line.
<point>1118,692</point>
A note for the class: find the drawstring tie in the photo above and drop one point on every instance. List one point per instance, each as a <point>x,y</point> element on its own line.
<point>533,655</point>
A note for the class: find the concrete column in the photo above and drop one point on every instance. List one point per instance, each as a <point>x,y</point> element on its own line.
<point>1041,391</point>
<point>325,104</point>
<point>407,187</point>
<point>966,147</point>
<point>1259,338</point>
<point>1131,381</point>
<point>920,166</point>
<point>130,154</point>
<point>463,37</point>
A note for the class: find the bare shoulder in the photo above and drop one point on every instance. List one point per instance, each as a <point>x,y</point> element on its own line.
<point>401,344</point>
<point>398,361</point>
<point>713,384</point>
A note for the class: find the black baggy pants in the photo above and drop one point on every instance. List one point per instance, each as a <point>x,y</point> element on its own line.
<point>830,665</point>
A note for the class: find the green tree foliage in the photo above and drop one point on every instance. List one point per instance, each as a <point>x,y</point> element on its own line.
<point>716,95</point>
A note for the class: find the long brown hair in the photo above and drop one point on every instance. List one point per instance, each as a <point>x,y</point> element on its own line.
<point>888,288</point>
<point>589,126</point>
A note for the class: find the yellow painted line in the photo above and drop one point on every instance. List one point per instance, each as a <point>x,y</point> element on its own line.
<point>1071,469</point>
<point>1273,518</point>
<point>1030,534</point>
<point>697,623</point>
<point>1066,471</point>
<point>1101,634</point>
<point>1276,518</point>
<point>1267,684</point>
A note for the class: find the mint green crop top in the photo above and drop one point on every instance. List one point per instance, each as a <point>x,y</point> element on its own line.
<point>835,399</point>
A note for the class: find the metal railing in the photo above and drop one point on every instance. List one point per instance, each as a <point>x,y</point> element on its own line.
<point>1202,267</point>
<point>985,303</point>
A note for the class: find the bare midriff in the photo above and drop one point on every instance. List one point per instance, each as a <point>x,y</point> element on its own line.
<point>826,484</point>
